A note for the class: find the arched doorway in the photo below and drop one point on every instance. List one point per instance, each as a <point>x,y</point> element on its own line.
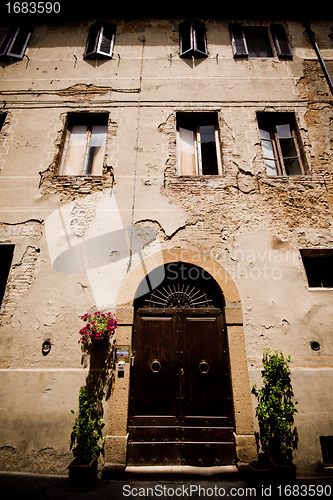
<point>180,403</point>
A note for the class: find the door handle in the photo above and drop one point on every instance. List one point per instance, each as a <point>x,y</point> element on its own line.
<point>204,366</point>
<point>181,383</point>
<point>155,366</point>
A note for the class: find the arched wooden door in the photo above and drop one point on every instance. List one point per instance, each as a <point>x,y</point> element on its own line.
<point>180,409</point>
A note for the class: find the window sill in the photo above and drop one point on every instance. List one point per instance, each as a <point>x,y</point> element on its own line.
<point>82,177</point>
<point>322,288</point>
<point>201,176</point>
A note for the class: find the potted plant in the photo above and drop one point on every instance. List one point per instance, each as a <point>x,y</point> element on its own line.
<point>277,438</point>
<point>86,444</point>
<point>98,326</point>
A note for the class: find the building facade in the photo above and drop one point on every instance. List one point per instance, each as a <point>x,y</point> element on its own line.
<point>178,173</point>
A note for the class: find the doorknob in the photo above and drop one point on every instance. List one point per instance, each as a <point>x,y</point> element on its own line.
<point>203,366</point>
<point>181,383</point>
<point>155,366</point>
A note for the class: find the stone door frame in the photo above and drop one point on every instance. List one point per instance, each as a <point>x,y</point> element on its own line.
<point>116,440</point>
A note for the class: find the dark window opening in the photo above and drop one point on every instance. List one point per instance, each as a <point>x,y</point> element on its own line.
<point>326,443</point>
<point>318,266</point>
<point>198,144</point>
<point>2,119</point>
<point>258,43</point>
<point>192,39</point>
<point>6,255</point>
<point>281,144</point>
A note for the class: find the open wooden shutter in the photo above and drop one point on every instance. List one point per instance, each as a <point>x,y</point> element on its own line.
<point>15,42</point>
<point>238,40</point>
<point>106,40</point>
<point>185,39</point>
<point>74,161</point>
<point>100,41</point>
<point>6,41</point>
<point>199,39</point>
<point>282,45</point>
<point>186,151</point>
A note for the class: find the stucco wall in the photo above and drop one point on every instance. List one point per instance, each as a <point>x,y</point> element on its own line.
<point>244,221</point>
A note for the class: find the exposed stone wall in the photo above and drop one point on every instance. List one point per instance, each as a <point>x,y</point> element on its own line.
<point>26,237</point>
<point>67,186</point>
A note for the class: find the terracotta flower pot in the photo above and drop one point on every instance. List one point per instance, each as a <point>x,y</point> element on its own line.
<point>260,471</point>
<point>283,471</point>
<point>82,473</point>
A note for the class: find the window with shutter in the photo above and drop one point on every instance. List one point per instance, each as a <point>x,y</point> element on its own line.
<point>198,144</point>
<point>280,144</point>
<point>100,41</point>
<point>254,41</point>
<point>15,42</point>
<point>84,147</point>
<point>192,39</point>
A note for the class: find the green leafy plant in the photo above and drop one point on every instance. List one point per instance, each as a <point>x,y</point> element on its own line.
<point>276,408</point>
<point>86,438</point>
<point>97,326</point>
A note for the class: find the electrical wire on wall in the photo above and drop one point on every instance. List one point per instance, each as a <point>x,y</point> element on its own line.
<point>143,40</point>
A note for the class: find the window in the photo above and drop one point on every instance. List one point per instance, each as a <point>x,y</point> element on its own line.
<point>6,255</point>
<point>192,39</point>
<point>280,144</point>
<point>2,119</point>
<point>100,41</point>
<point>15,42</point>
<point>198,144</point>
<point>318,266</point>
<point>326,443</point>
<point>255,41</point>
<point>84,146</point>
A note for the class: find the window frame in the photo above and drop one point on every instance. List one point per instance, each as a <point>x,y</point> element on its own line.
<point>89,121</point>
<point>274,119</point>
<point>95,35</point>
<point>197,119</point>
<point>277,38</point>
<point>9,40</point>
<point>193,29</point>
<point>315,260</point>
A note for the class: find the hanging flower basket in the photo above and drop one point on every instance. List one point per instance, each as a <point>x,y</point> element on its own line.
<point>98,326</point>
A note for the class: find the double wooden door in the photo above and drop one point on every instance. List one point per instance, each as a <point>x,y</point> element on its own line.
<point>180,409</point>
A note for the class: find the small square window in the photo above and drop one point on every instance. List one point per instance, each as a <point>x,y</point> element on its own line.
<point>318,266</point>
<point>6,255</point>
<point>198,144</point>
<point>280,144</point>
<point>84,147</point>
<point>326,443</point>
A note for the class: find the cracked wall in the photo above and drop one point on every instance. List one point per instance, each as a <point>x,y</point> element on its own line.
<point>251,224</point>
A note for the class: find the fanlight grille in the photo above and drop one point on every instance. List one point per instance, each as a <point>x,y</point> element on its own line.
<point>178,296</point>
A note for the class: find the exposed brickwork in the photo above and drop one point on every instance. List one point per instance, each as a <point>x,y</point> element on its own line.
<point>22,273</point>
<point>71,187</point>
